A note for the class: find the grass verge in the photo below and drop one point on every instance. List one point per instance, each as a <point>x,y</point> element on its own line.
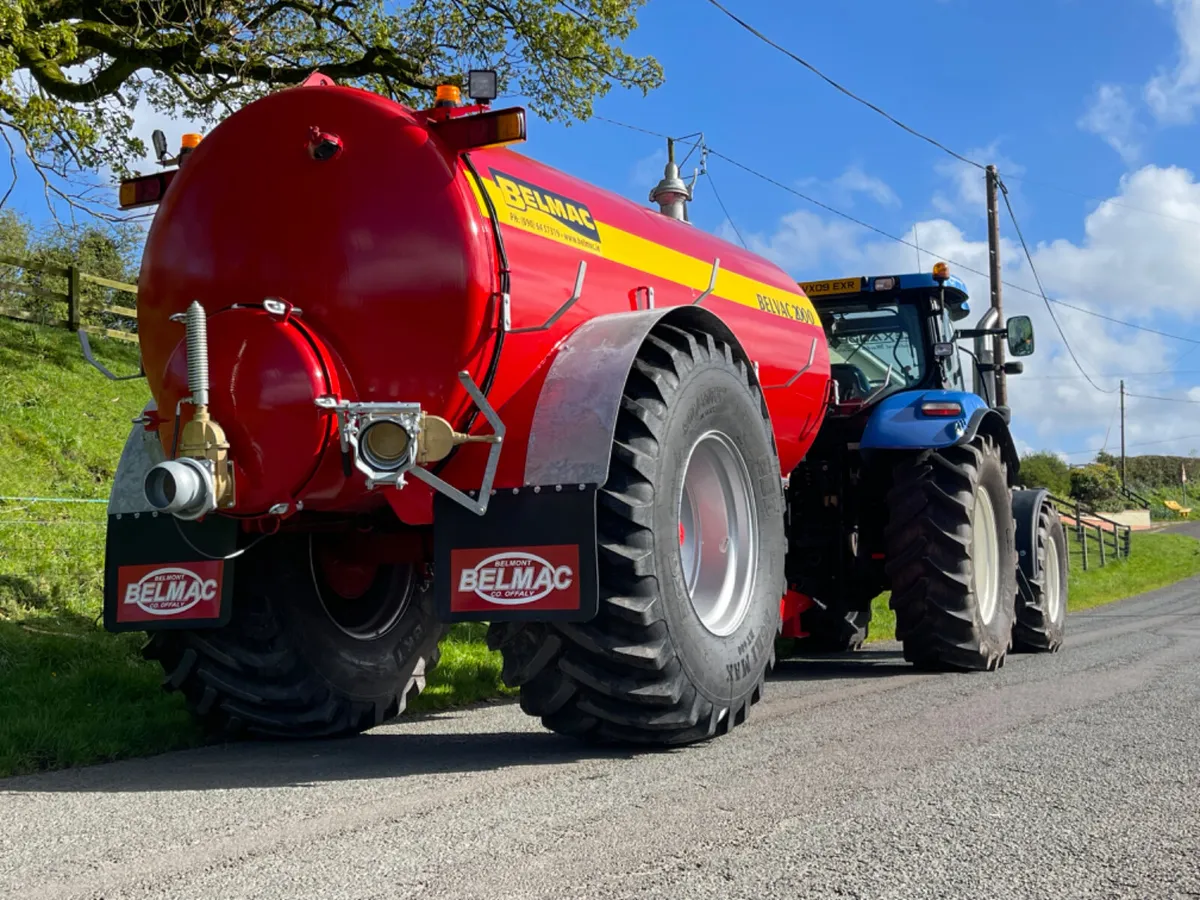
<point>71,694</point>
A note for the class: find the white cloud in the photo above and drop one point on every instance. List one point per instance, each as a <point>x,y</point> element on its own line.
<point>1111,116</point>
<point>1173,95</point>
<point>855,181</point>
<point>648,171</point>
<point>967,191</point>
<point>1130,265</point>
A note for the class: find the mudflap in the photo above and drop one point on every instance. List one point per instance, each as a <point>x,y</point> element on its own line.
<point>1027,506</point>
<point>162,573</point>
<point>532,557</point>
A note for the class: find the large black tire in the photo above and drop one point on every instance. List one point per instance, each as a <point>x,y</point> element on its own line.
<point>1042,619</point>
<point>283,668</point>
<point>646,669</point>
<point>937,558</point>
<point>833,630</point>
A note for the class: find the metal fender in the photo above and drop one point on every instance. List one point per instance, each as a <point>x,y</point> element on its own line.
<point>898,424</point>
<point>570,441</point>
<point>1026,506</point>
<point>143,450</point>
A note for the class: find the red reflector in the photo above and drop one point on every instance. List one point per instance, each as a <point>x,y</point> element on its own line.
<point>146,190</point>
<point>943,408</point>
<point>490,129</point>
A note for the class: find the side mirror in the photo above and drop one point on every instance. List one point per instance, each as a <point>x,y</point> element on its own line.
<point>1014,368</point>
<point>160,144</point>
<point>1020,336</point>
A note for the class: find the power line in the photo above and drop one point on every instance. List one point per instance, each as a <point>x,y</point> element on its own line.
<point>1185,437</point>
<point>930,251</point>
<point>1050,309</point>
<point>1155,374</point>
<point>721,203</point>
<point>1106,200</point>
<point>762,37</point>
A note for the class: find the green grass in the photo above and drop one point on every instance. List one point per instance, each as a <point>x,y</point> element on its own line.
<point>1157,559</point>
<point>70,693</point>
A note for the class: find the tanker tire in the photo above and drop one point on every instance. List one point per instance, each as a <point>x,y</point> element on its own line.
<point>831,631</point>
<point>1041,623</point>
<point>282,668</point>
<point>933,552</point>
<point>645,670</point>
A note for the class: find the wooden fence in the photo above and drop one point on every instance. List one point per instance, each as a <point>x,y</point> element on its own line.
<point>72,298</point>
<point>1112,539</point>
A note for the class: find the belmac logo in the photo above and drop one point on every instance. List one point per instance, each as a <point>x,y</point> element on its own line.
<point>521,196</point>
<point>186,591</point>
<point>531,577</point>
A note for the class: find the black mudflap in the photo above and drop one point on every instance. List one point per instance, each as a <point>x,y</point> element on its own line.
<point>161,573</point>
<point>530,557</point>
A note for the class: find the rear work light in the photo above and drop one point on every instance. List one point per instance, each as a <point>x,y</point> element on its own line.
<point>944,409</point>
<point>145,190</point>
<point>489,129</point>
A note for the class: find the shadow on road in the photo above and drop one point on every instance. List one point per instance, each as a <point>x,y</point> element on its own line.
<point>274,764</point>
<point>867,663</point>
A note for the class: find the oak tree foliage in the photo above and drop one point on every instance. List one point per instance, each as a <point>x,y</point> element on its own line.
<point>72,71</point>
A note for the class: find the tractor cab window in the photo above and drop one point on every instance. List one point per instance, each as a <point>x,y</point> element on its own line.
<point>874,349</point>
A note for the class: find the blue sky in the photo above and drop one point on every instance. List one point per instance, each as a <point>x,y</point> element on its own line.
<point>1078,102</point>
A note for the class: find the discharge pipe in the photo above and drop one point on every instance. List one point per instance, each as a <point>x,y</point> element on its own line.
<point>186,487</point>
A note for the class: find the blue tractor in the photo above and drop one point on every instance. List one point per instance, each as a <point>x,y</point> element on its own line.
<point>912,485</point>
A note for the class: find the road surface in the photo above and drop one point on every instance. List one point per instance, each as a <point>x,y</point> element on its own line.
<point>1076,775</point>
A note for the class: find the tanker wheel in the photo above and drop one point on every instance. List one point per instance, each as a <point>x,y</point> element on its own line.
<point>691,547</point>
<point>951,546</point>
<point>312,649</point>
<point>833,630</point>
<point>1042,620</point>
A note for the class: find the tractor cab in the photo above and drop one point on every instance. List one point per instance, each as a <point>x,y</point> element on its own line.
<point>889,333</point>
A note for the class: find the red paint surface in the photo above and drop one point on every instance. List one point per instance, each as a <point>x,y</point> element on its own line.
<point>515,578</point>
<point>791,608</point>
<point>174,591</point>
<point>387,253</point>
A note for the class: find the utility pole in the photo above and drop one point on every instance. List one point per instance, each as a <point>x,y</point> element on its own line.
<point>993,184</point>
<point>1123,433</point>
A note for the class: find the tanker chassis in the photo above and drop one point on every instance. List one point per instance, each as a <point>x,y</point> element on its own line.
<point>402,377</point>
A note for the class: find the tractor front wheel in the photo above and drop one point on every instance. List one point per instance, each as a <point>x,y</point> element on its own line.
<point>1042,617</point>
<point>316,647</point>
<point>952,560</point>
<point>691,540</point>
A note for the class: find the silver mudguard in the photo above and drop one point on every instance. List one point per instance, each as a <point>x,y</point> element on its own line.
<point>143,451</point>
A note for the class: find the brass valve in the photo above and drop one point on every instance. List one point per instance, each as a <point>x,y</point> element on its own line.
<point>437,438</point>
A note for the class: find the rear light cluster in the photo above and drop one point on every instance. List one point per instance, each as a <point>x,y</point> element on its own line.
<point>942,409</point>
<point>145,190</point>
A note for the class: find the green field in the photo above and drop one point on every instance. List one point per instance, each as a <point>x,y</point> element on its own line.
<point>73,694</point>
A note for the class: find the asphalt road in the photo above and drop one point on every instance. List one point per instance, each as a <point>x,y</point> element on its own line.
<point>1076,775</point>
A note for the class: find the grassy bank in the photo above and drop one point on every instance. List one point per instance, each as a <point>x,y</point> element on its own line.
<point>70,693</point>
<point>1157,559</point>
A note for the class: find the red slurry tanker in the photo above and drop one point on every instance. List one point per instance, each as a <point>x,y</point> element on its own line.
<point>403,376</point>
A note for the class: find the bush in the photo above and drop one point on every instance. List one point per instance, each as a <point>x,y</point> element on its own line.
<point>1045,470</point>
<point>1098,486</point>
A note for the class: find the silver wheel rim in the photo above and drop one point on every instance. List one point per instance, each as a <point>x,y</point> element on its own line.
<point>1053,584</point>
<point>718,533</point>
<point>985,555</point>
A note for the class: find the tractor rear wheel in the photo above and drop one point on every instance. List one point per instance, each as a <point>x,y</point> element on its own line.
<point>691,538</point>
<point>1042,619</point>
<point>311,650</point>
<point>951,548</point>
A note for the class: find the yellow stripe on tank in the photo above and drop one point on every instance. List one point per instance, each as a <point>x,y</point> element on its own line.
<point>532,209</point>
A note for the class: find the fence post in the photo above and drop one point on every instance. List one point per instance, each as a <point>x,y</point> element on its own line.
<point>1079,522</point>
<point>1128,541</point>
<point>73,297</point>
<point>1100,541</point>
<point>1116,541</point>
<point>1083,547</point>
